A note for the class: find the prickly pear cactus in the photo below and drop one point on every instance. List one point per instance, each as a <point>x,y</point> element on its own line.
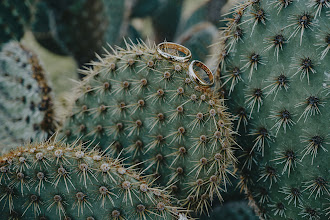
<point>26,109</point>
<point>53,180</point>
<point>140,106</point>
<point>274,64</point>
<point>14,17</point>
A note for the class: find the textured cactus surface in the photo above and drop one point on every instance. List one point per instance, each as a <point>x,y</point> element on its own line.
<point>26,109</point>
<point>14,17</point>
<point>146,108</point>
<point>275,65</point>
<point>53,180</point>
<point>79,28</point>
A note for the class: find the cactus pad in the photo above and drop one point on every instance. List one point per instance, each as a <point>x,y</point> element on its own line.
<point>25,96</point>
<point>275,65</point>
<point>53,180</point>
<point>139,105</point>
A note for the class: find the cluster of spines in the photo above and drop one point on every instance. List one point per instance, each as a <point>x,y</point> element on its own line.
<point>52,180</point>
<point>158,115</point>
<point>239,70</point>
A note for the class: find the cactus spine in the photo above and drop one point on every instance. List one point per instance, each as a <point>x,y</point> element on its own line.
<point>275,65</point>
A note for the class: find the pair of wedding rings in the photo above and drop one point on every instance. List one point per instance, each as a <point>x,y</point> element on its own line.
<point>161,50</point>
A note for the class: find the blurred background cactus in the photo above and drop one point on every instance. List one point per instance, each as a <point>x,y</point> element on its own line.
<point>26,105</point>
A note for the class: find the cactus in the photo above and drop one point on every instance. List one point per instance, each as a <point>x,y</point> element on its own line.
<point>80,28</point>
<point>143,8</point>
<point>197,32</point>
<point>208,11</point>
<point>140,106</point>
<point>43,26</point>
<point>52,180</point>
<point>274,63</point>
<point>14,17</point>
<point>25,97</point>
<point>165,20</point>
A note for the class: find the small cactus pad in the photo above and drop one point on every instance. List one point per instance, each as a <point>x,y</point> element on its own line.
<point>53,180</point>
<point>26,109</point>
<point>274,63</point>
<point>138,105</point>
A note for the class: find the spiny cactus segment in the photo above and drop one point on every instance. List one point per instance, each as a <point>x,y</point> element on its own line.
<point>138,105</point>
<point>25,97</point>
<point>52,180</point>
<point>274,63</point>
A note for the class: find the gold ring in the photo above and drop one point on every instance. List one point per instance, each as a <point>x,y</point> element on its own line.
<point>196,78</point>
<point>178,47</point>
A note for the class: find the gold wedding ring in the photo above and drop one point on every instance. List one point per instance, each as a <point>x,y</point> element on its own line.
<point>162,47</point>
<point>196,78</point>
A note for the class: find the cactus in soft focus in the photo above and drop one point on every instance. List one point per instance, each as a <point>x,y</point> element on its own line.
<point>52,180</point>
<point>274,63</point>
<point>143,8</point>
<point>15,15</point>
<point>166,19</point>
<point>137,105</point>
<point>80,28</point>
<point>26,109</point>
<point>198,39</point>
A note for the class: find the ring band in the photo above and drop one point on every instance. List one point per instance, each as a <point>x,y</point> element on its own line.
<point>178,47</point>
<point>196,78</point>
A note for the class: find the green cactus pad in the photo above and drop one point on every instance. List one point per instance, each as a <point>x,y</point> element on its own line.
<point>52,180</point>
<point>166,19</point>
<point>143,8</point>
<point>25,97</point>
<point>138,105</point>
<point>275,65</point>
